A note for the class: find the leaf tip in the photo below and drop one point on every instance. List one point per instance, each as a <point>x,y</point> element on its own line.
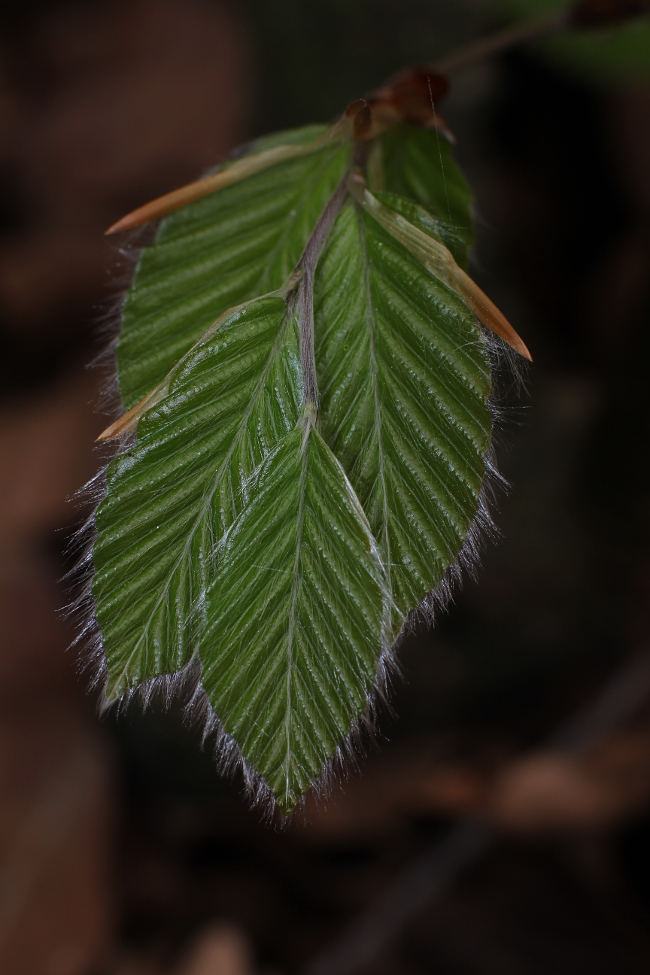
<point>128,421</point>
<point>119,426</point>
<point>524,351</point>
<point>112,693</point>
<point>122,224</point>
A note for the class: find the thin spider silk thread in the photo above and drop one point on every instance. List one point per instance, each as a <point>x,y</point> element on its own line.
<point>442,167</point>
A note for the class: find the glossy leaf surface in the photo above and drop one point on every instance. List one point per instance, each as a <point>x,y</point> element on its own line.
<point>404,379</point>
<point>227,248</point>
<point>169,499</point>
<point>280,544</point>
<point>418,164</point>
<point>295,610</point>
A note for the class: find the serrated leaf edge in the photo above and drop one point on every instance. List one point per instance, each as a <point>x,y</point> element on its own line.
<point>188,680</point>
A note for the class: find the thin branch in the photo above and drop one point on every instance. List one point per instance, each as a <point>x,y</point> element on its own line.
<point>307,265</point>
<point>321,231</point>
<point>307,352</point>
<point>587,13</point>
<point>502,40</point>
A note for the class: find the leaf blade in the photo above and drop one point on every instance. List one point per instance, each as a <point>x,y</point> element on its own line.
<point>232,531</point>
<point>418,164</point>
<point>171,497</point>
<point>230,247</point>
<point>408,415</point>
<point>234,172</point>
<point>287,703</point>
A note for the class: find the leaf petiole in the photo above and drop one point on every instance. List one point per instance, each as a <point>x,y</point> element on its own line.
<point>307,265</point>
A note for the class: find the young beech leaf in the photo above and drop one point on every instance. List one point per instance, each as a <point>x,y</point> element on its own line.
<point>296,611</point>
<point>171,497</point>
<point>404,377</point>
<point>307,392</point>
<point>265,154</point>
<point>418,164</point>
<point>236,244</point>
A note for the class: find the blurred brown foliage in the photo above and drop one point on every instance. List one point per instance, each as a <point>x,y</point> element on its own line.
<point>121,850</point>
<point>99,104</point>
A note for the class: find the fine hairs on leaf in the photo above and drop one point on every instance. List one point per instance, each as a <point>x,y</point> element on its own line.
<point>303,466</point>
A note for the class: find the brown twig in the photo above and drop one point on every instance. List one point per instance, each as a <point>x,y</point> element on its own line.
<point>502,40</point>
<point>307,265</point>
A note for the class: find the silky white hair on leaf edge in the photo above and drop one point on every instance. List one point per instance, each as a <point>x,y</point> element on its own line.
<point>185,685</point>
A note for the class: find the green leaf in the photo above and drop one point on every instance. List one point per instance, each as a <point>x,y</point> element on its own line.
<point>296,609</point>
<point>221,251</point>
<point>418,164</point>
<point>281,542</point>
<point>170,498</point>
<point>404,378</point>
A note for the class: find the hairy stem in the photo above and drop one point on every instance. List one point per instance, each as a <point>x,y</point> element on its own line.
<point>307,354</point>
<point>307,265</point>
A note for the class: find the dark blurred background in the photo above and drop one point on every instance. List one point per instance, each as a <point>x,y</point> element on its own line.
<point>122,850</point>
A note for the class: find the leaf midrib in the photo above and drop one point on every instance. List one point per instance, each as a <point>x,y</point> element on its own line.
<point>374,379</point>
<point>295,586</point>
<point>300,207</point>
